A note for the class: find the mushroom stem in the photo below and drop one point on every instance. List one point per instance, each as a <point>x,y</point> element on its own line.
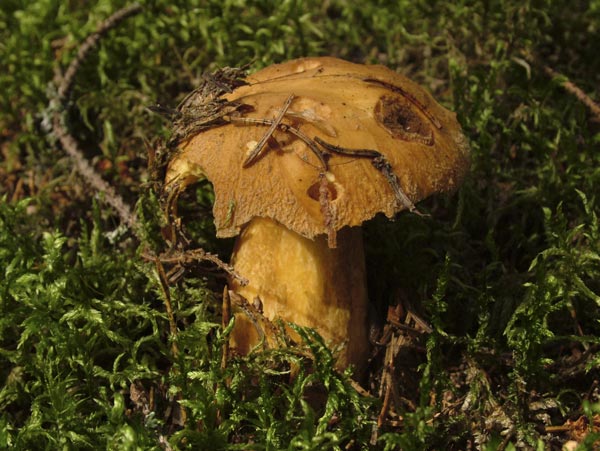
<point>305,282</point>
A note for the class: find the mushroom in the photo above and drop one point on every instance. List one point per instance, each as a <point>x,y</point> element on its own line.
<point>299,155</point>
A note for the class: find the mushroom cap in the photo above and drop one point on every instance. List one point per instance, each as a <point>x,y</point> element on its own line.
<point>348,105</point>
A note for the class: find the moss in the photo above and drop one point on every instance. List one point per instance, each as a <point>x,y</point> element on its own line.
<point>505,273</point>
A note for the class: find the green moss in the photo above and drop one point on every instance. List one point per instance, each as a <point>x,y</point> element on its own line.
<point>505,272</point>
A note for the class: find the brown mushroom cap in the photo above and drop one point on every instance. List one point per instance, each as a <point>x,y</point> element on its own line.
<point>347,105</point>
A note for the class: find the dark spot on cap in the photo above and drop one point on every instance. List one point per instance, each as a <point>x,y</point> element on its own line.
<point>399,118</point>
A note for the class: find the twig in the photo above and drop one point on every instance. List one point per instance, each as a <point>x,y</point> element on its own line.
<point>380,163</point>
<point>66,84</point>
<point>556,429</point>
<point>87,172</point>
<point>568,85</point>
<point>385,386</point>
<point>285,128</point>
<point>256,151</point>
<point>186,257</point>
<point>58,108</point>
<point>385,407</point>
<point>575,90</point>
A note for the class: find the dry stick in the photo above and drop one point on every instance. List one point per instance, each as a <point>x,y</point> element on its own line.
<point>67,141</point>
<point>90,175</point>
<point>256,151</point>
<point>186,257</point>
<point>380,163</point>
<point>71,147</point>
<point>285,128</point>
<point>572,88</point>
<point>555,429</point>
<point>385,391</point>
<point>91,42</point>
